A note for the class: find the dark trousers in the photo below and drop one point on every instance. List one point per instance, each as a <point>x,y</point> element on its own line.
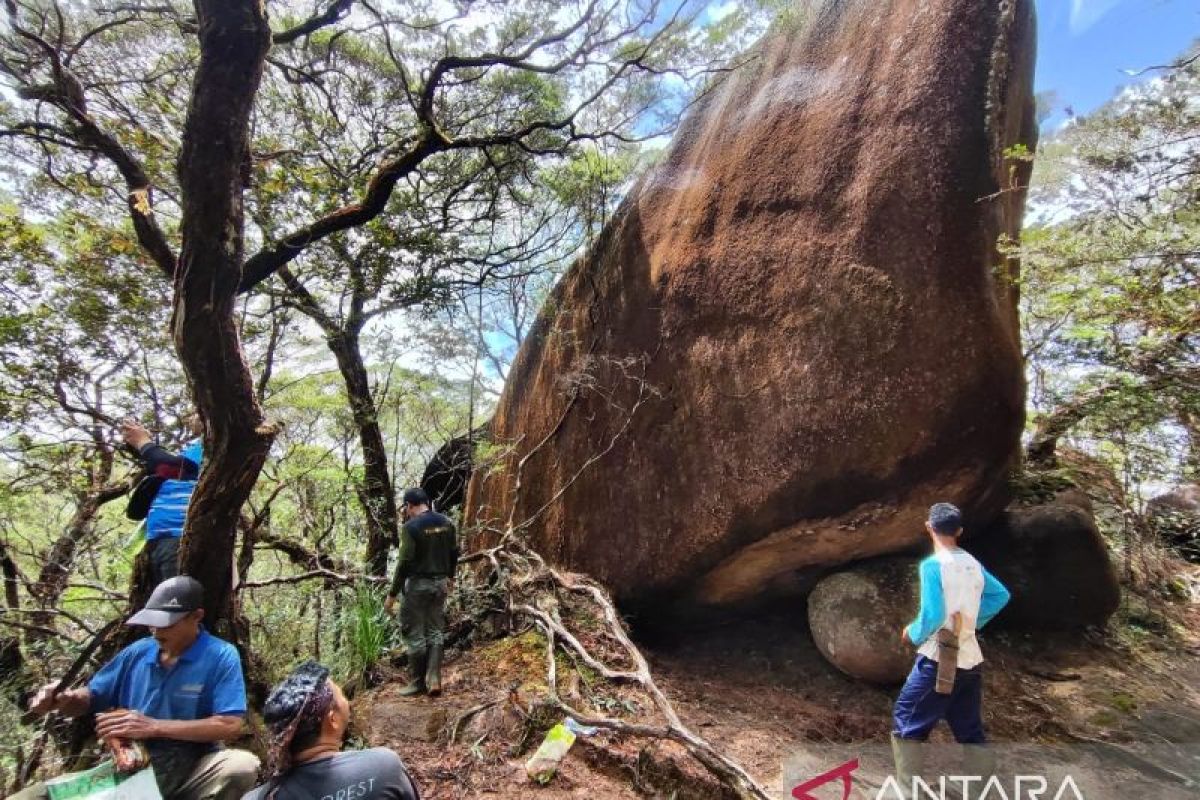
<point>423,614</point>
<point>919,708</point>
<point>164,558</point>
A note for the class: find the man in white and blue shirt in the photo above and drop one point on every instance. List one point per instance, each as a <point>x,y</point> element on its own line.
<point>179,691</point>
<point>957,593</point>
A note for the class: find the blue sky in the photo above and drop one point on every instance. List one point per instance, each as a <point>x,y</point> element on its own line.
<point>1084,46</point>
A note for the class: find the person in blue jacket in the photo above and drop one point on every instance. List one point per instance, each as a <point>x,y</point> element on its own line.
<point>180,692</point>
<point>959,595</point>
<point>168,510</point>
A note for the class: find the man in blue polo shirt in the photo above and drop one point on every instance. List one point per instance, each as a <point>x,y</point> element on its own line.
<point>179,691</point>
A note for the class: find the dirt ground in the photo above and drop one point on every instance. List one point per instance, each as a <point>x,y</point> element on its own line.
<point>759,691</point>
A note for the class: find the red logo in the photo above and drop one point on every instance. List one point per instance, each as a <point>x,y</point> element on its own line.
<point>801,792</point>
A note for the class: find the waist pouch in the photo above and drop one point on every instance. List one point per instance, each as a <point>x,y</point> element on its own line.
<point>947,648</point>
<point>143,496</point>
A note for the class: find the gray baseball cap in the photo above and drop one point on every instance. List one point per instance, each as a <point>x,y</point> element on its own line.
<point>171,601</point>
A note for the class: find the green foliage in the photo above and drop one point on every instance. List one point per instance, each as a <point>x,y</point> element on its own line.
<point>1110,281</point>
<point>366,631</point>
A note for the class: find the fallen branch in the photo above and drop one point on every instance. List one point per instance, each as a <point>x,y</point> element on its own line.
<point>464,717</point>
<point>328,575</point>
<point>1054,676</point>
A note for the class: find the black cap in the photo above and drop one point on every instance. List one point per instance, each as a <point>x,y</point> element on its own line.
<point>945,518</point>
<point>171,601</point>
<point>289,695</point>
<point>415,497</point>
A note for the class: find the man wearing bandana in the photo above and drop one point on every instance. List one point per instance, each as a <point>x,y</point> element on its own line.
<point>307,715</point>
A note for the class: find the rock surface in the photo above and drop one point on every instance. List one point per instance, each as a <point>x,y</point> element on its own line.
<point>449,470</point>
<point>1176,519</point>
<point>855,617</point>
<point>388,714</point>
<point>1054,561</point>
<point>796,333</point>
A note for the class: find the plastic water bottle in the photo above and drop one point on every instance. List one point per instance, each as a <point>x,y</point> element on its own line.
<point>544,762</point>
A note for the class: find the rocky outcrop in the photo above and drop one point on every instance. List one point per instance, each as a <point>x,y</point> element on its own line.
<point>449,471</point>
<point>1078,498</point>
<point>855,618</point>
<point>797,331</point>
<point>1055,563</point>
<point>1175,516</point>
<point>1184,498</point>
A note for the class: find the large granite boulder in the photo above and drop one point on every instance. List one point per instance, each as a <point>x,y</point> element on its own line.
<point>797,332</point>
<point>1055,563</point>
<point>855,617</point>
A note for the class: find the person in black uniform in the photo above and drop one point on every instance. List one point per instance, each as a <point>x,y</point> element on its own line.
<point>428,558</point>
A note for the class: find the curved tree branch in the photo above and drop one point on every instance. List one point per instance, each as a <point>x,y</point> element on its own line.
<point>336,11</point>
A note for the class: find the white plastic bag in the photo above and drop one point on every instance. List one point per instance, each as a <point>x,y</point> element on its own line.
<point>104,783</point>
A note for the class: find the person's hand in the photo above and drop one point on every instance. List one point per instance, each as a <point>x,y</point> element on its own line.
<point>44,701</point>
<point>134,434</point>
<point>389,605</point>
<point>126,724</point>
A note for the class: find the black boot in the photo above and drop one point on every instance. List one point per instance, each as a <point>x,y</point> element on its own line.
<point>417,659</point>
<point>909,756</point>
<point>980,760</point>
<point>433,674</point>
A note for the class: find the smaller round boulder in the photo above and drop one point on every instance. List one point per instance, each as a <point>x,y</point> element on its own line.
<point>855,617</point>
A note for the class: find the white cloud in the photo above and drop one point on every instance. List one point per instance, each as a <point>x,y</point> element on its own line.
<point>1086,13</point>
<point>720,11</point>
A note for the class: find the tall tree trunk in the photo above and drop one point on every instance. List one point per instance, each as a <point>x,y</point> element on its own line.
<point>1190,419</point>
<point>234,39</point>
<point>11,659</point>
<point>376,494</point>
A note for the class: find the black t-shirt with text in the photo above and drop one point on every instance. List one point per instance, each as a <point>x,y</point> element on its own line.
<point>428,549</point>
<point>376,774</point>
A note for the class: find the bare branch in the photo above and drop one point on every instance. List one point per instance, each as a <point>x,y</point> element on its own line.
<point>325,574</point>
<point>66,94</point>
<point>271,258</point>
<point>336,11</point>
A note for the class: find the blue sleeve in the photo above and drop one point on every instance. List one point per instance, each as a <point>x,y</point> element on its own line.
<point>103,685</point>
<point>995,597</point>
<point>933,603</point>
<point>229,688</point>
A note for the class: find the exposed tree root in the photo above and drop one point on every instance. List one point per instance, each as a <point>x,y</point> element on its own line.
<point>531,589</point>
